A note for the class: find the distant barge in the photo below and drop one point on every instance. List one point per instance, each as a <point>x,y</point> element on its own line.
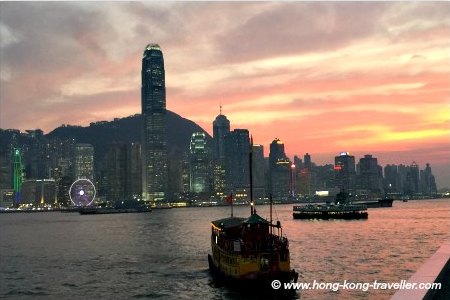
<point>326,212</point>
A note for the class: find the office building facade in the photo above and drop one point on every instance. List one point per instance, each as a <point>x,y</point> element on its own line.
<point>345,172</point>
<point>237,171</point>
<point>279,172</point>
<point>199,164</point>
<point>370,175</point>
<point>84,162</point>
<point>122,172</point>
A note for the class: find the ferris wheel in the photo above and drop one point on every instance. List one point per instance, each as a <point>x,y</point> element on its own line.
<point>82,192</point>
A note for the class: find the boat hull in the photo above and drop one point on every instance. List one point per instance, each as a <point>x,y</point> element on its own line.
<point>262,282</point>
<point>325,215</point>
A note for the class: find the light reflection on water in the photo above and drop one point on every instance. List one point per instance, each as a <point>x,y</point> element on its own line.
<point>163,254</point>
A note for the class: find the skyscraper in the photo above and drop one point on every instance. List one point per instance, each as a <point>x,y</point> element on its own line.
<point>199,164</point>
<point>306,175</point>
<point>259,172</point>
<point>279,171</point>
<point>237,147</point>
<point>391,179</point>
<point>276,151</point>
<point>298,163</point>
<point>307,161</point>
<point>345,174</point>
<point>221,128</point>
<point>370,175</point>
<point>153,98</point>
<point>84,161</point>
<point>413,179</point>
<point>428,182</point>
<point>122,172</point>
<point>402,173</point>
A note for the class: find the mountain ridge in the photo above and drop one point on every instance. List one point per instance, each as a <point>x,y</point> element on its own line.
<point>124,130</point>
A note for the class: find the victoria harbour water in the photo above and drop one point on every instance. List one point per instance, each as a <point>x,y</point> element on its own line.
<point>163,254</point>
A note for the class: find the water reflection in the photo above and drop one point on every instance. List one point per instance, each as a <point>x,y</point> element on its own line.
<point>164,254</point>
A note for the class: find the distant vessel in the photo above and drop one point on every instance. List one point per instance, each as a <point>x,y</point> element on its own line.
<point>384,202</point>
<point>120,207</point>
<point>162,206</point>
<point>251,252</point>
<point>341,209</point>
<point>325,212</point>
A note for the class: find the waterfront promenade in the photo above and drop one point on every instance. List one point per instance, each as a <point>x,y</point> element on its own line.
<point>435,269</point>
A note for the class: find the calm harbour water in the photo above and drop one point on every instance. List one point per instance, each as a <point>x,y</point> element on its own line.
<point>163,254</point>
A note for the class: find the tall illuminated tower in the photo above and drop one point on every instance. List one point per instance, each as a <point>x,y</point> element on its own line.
<point>221,128</point>
<point>153,101</point>
<point>17,173</point>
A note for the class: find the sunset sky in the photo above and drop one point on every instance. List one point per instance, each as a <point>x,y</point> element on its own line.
<point>324,77</point>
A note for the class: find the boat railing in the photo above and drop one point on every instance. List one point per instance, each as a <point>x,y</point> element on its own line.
<point>271,243</point>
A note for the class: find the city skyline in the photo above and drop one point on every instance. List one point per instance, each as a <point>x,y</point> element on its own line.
<point>369,78</point>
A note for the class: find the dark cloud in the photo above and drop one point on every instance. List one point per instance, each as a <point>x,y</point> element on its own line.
<point>155,23</point>
<point>53,43</point>
<point>51,35</point>
<point>298,28</point>
<point>171,25</point>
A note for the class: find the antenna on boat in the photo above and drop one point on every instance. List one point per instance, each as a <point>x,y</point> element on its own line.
<point>250,158</point>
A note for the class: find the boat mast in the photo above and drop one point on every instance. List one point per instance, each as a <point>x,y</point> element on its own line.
<point>250,158</point>
<point>231,199</point>
<point>270,199</point>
